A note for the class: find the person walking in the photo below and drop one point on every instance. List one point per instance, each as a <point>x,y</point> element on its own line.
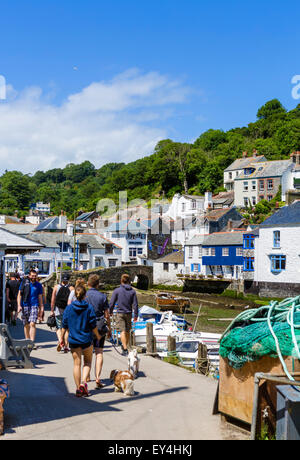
<point>59,302</point>
<point>125,298</point>
<point>41,315</point>
<point>30,300</point>
<point>72,296</point>
<point>12,290</point>
<point>99,302</point>
<point>80,319</point>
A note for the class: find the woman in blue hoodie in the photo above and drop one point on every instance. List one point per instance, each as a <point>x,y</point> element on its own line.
<point>80,320</point>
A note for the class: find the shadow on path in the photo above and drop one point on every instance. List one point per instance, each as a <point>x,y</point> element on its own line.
<point>38,399</point>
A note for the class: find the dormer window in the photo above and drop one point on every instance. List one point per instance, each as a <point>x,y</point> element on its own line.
<point>248,171</point>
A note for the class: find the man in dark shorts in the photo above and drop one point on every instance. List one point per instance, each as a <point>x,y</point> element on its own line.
<point>124,297</point>
<point>100,304</point>
<point>12,290</point>
<point>30,300</point>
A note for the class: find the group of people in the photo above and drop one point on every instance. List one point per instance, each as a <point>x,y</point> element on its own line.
<point>82,317</point>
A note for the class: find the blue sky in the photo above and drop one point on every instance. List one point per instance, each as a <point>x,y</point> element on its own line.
<point>198,65</point>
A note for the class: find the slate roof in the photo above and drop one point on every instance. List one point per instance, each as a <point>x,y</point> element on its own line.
<point>241,163</point>
<point>197,240</point>
<point>223,198</point>
<point>13,241</point>
<point>52,240</point>
<point>51,223</point>
<point>172,258</point>
<point>284,217</point>
<point>224,239</point>
<point>216,214</point>
<point>85,216</point>
<point>19,229</point>
<point>266,169</point>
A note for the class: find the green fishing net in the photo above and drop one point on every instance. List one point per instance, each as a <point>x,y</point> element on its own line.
<point>249,337</point>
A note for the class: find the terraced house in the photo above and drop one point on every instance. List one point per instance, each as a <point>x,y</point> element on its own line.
<point>261,181</point>
<point>277,253</point>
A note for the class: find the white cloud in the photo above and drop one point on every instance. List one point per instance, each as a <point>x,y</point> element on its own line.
<point>108,121</point>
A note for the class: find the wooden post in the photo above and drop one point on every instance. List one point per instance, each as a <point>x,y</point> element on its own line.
<point>154,345</point>
<point>132,339</point>
<point>202,361</point>
<point>202,351</point>
<point>171,343</point>
<point>151,342</point>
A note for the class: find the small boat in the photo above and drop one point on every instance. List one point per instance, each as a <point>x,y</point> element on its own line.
<point>187,347</point>
<point>167,301</point>
<point>164,324</point>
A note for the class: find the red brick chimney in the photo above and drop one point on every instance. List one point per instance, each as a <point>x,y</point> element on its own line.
<point>245,154</point>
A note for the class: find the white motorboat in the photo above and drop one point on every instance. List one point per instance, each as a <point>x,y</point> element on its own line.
<point>161,331</point>
<point>187,347</point>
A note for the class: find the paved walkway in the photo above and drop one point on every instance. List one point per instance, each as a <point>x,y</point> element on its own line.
<point>170,403</point>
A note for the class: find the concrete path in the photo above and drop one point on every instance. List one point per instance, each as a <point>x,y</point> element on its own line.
<point>170,403</point>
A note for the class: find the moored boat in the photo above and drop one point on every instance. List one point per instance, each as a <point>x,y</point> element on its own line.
<point>168,301</point>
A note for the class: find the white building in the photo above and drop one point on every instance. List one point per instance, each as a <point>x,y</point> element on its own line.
<point>132,236</point>
<point>193,253</point>
<point>213,220</point>
<point>188,206</point>
<point>277,253</point>
<point>43,208</point>
<point>166,269</point>
<point>56,249</point>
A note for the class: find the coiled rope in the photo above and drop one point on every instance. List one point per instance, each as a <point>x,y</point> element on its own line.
<point>275,312</point>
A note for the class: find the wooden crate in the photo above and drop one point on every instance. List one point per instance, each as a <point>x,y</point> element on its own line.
<point>236,386</point>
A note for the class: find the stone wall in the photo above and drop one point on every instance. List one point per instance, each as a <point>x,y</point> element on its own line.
<point>281,290</point>
<point>212,286</point>
<point>110,276</point>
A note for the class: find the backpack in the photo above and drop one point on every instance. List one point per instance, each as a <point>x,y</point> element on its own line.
<point>62,297</point>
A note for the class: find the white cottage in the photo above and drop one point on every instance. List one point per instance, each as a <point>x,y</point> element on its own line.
<point>277,253</point>
<point>166,269</point>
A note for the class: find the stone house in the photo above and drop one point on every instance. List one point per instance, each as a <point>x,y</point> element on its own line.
<point>166,269</point>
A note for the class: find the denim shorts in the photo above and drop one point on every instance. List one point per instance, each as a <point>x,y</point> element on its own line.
<point>58,320</point>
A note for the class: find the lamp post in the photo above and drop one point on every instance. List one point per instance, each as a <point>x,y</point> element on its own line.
<point>74,244</point>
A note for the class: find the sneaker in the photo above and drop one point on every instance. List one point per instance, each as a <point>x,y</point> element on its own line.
<point>66,350</point>
<point>59,348</point>
<point>79,393</point>
<point>125,352</point>
<point>84,388</point>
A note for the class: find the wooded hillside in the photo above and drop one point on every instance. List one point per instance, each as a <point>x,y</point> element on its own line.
<point>173,167</point>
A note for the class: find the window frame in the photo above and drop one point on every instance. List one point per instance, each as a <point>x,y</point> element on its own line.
<point>249,264</point>
<point>276,239</point>
<point>225,252</point>
<point>282,263</point>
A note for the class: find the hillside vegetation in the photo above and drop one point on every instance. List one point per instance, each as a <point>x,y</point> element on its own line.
<point>173,167</point>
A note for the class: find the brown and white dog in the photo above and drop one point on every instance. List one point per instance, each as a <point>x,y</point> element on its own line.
<point>123,381</point>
